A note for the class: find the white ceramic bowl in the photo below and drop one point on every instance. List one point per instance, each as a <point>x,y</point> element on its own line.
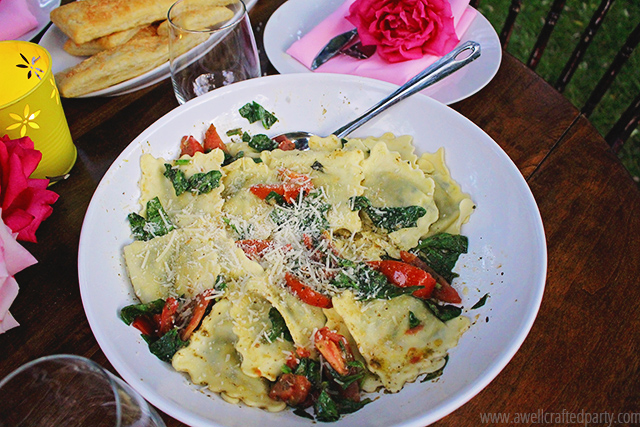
<point>507,251</point>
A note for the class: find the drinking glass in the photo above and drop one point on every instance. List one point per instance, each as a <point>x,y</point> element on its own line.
<point>69,390</point>
<point>209,46</point>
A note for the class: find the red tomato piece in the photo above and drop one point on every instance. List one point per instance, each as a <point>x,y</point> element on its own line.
<point>291,388</point>
<point>199,306</point>
<point>168,316</point>
<point>334,348</point>
<point>443,290</point>
<point>284,143</point>
<point>263,190</point>
<point>307,294</point>
<point>294,183</point>
<point>144,325</point>
<point>212,140</point>
<point>403,275</point>
<point>189,145</point>
<point>254,246</point>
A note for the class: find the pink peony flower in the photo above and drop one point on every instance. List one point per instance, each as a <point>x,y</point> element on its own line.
<point>25,201</point>
<point>404,29</point>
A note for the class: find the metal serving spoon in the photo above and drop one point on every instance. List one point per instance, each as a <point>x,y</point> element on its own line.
<point>440,69</point>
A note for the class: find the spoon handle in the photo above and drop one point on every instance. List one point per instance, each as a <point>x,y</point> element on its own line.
<point>440,69</point>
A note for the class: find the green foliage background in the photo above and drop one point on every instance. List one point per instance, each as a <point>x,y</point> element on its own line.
<point>618,24</point>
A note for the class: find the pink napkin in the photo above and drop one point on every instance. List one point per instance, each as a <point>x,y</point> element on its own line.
<point>306,49</point>
<point>15,19</point>
<point>13,258</point>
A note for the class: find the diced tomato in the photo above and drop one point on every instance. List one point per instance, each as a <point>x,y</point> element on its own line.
<point>284,143</point>
<point>403,275</point>
<point>294,183</point>
<point>254,246</point>
<point>302,352</point>
<point>168,316</point>
<point>294,359</point>
<point>443,290</point>
<point>263,190</point>
<point>307,294</point>
<point>308,241</point>
<point>291,388</point>
<point>334,348</point>
<point>200,304</point>
<point>189,145</point>
<point>212,140</point>
<point>144,325</point>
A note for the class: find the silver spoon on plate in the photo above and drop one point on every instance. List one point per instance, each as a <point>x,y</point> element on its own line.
<point>448,64</point>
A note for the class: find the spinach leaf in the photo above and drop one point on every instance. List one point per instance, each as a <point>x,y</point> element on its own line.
<point>482,301</point>
<point>246,137</point>
<point>346,406</point>
<point>228,158</point>
<point>302,413</point>
<point>367,283</point>
<point>129,313</point>
<point>441,252</point>
<point>199,183</point>
<point>443,312</point>
<point>310,369</point>
<point>389,218</point>
<point>278,326</point>
<point>166,346</point>
<point>413,320</point>
<point>254,112</point>
<point>156,224</point>
<point>262,142</point>
<point>438,372</point>
<point>325,408</point>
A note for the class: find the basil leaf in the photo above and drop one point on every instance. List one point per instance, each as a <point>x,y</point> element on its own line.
<point>480,302</point>
<point>129,313</point>
<point>156,224</point>
<point>278,326</point>
<point>254,112</point>
<point>413,320</point>
<point>325,408</point>
<point>443,312</point>
<point>346,406</point>
<point>137,223</point>
<point>262,142</point>
<point>310,369</point>
<point>389,218</point>
<point>166,346</point>
<point>437,373</point>
<point>441,252</point>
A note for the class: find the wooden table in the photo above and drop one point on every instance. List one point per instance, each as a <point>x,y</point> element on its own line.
<point>582,353</point>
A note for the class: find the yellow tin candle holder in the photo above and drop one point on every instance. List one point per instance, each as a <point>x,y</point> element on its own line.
<point>30,106</point>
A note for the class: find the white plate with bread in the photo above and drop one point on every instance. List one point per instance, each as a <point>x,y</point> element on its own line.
<point>130,58</point>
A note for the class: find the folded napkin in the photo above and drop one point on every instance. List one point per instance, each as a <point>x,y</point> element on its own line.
<point>13,258</point>
<point>15,19</point>
<point>306,49</point>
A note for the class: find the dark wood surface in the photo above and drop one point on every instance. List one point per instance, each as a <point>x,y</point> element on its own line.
<point>582,353</point>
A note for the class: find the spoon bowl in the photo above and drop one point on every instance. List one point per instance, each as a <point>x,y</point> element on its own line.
<point>448,64</point>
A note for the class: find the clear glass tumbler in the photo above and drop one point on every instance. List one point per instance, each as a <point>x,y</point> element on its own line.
<point>210,46</point>
<point>70,391</point>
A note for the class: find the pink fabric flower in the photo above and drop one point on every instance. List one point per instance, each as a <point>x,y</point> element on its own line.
<point>405,29</point>
<point>25,201</point>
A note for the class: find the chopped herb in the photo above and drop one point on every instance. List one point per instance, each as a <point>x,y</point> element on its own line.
<point>286,370</point>
<point>220,284</point>
<point>156,224</point>
<point>317,166</point>
<point>236,131</point>
<point>232,226</point>
<point>246,137</point>
<point>443,312</point>
<point>437,373</point>
<point>367,283</point>
<point>228,158</point>
<point>277,198</point>
<point>390,218</point>
<point>199,183</point>
<point>262,142</point>
<point>441,252</point>
<point>129,313</point>
<point>343,141</point>
<point>310,215</point>
<point>346,406</point>
<point>310,369</point>
<point>182,161</point>
<point>325,408</point>
<point>166,346</point>
<point>257,160</point>
<point>278,326</point>
<point>254,112</point>
<point>413,320</point>
<point>480,302</point>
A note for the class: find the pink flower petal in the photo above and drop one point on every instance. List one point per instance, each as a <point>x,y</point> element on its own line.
<point>8,292</point>
<point>7,322</point>
<point>15,257</point>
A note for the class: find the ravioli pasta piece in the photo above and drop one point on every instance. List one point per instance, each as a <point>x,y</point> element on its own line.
<point>454,206</point>
<point>380,328</point>
<point>211,359</point>
<point>186,207</point>
<point>402,145</point>
<point>390,181</point>
<point>329,143</point>
<point>302,319</point>
<point>251,323</point>
<point>339,173</point>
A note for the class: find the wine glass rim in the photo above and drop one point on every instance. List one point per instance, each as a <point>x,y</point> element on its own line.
<point>71,357</point>
<point>238,17</point>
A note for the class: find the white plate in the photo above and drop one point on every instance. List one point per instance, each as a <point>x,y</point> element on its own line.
<point>295,18</point>
<point>40,9</point>
<point>53,40</point>
<point>507,252</point>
